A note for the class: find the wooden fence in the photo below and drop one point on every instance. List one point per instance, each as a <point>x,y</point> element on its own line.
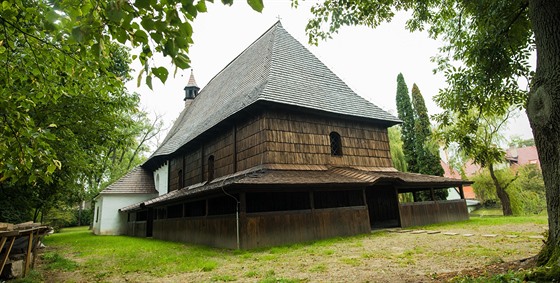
<point>429,212</point>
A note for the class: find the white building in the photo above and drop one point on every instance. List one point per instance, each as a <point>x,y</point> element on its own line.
<point>136,186</point>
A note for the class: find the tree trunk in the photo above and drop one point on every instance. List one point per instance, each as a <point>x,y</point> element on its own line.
<point>501,192</point>
<point>543,109</point>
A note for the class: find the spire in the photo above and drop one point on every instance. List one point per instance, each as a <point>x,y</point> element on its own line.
<point>191,90</point>
<point>192,82</point>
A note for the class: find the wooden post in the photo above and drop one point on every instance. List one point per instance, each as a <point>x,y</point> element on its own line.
<point>398,206</point>
<point>433,194</point>
<point>28,255</point>
<point>234,147</point>
<point>461,193</point>
<point>5,236</point>
<point>242,219</point>
<point>201,171</point>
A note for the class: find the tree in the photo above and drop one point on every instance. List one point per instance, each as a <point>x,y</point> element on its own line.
<point>478,137</point>
<point>517,141</point>
<point>524,184</point>
<point>406,114</point>
<point>51,49</point>
<point>428,160</point>
<point>396,146</point>
<point>427,152</point>
<point>492,41</point>
<point>81,113</point>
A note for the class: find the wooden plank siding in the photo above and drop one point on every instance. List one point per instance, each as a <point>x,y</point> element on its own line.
<point>304,140</point>
<point>429,212</point>
<point>136,228</point>
<point>278,228</point>
<point>175,166</point>
<point>216,231</point>
<point>250,147</point>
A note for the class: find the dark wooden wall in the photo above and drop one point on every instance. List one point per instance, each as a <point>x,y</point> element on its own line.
<point>429,212</point>
<point>295,138</point>
<point>246,136</point>
<point>216,231</point>
<point>279,137</point>
<point>136,229</point>
<point>279,228</point>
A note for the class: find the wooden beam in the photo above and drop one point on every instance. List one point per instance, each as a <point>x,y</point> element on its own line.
<point>461,192</point>
<point>234,147</point>
<point>433,194</point>
<point>5,236</point>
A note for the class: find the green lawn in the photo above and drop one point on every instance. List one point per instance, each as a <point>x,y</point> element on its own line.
<point>76,255</point>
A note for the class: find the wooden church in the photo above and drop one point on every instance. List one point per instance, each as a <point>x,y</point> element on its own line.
<point>277,149</point>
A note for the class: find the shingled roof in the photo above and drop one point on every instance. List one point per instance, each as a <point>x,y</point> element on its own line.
<point>137,181</point>
<point>276,68</point>
<point>267,176</point>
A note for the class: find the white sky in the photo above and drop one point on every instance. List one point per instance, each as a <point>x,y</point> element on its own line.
<point>368,60</point>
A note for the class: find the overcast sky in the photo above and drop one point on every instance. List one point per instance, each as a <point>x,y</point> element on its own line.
<point>368,60</point>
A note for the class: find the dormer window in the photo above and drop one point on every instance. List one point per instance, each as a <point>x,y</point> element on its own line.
<point>210,172</point>
<point>336,144</point>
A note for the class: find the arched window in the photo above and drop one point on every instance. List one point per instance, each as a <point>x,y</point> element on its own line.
<point>157,182</point>
<point>336,144</point>
<point>181,180</point>
<point>210,172</point>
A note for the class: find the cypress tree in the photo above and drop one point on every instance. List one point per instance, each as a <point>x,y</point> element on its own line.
<point>428,161</point>
<point>405,113</point>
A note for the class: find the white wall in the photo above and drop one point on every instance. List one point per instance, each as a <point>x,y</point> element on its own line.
<point>161,182</point>
<point>110,221</point>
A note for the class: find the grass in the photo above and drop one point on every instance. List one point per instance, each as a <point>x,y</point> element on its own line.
<point>477,222</point>
<point>122,255</point>
<point>80,254</point>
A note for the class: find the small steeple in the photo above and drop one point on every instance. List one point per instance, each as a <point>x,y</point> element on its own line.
<point>191,90</point>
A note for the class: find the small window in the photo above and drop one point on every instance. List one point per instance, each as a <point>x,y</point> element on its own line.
<point>210,172</point>
<point>336,144</point>
<point>157,181</point>
<point>97,215</point>
<point>180,173</point>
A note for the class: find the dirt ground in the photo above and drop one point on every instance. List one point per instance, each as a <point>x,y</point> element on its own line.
<point>386,256</point>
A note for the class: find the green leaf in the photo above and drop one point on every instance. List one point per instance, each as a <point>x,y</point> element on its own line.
<point>77,34</point>
<point>182,61</point>
<point>142,4</point>
<point>147,23</point>
<point>201,6</point>
<point>257,5</point>
<point>149,82</point>
<point>170,48</point>
<point>140,74</point>
<point>51,168</point>
<point>140,36</point>
<point>115,14</point>
<point>161,73</point>
<point>227,2</point>
<point>182,42</point>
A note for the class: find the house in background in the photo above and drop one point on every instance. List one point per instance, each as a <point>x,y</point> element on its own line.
<point>136,186</point>
<point>276,149</point>
<point>453,193</point>
<point>519,156</point>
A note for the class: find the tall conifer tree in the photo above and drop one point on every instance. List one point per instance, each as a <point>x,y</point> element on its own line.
<point>427,159</point>
<point>405,112</point>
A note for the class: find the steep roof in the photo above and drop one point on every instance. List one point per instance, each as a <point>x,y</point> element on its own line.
<point>276,68</point>
<point>137,181</point>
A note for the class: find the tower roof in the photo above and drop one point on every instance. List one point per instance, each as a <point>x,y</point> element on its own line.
<point>192,82</point>
<point>276,68</point>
